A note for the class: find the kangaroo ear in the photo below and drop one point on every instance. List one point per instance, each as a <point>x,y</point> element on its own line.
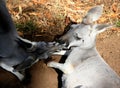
<point>102,27</point>
<point>24,43</point>
<point>93,14</point>
<point>31,46</point>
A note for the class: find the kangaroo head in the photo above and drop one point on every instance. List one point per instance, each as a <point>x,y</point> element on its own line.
<point>83,35</point>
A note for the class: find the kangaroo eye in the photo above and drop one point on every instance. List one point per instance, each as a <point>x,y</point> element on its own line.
<point>78,38</point>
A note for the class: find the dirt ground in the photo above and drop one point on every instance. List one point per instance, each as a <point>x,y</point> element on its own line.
<point>43,20</point>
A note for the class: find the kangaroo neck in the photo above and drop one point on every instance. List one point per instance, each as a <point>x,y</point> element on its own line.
<point>79,55</point>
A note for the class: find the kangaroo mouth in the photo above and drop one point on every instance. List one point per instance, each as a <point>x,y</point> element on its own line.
<point>71,47</point>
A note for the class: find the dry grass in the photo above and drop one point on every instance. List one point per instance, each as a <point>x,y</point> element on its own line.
<point>50,15</point>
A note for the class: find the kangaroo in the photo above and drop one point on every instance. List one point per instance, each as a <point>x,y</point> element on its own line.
<point>84,67</point>
<point>16,53</point>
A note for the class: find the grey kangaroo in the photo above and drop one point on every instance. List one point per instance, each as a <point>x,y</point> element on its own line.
<point>84,67</point>
<point>16,53</point>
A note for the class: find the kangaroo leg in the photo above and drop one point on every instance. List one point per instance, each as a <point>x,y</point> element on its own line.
<point>65,68</point>
<point>26,64</point>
